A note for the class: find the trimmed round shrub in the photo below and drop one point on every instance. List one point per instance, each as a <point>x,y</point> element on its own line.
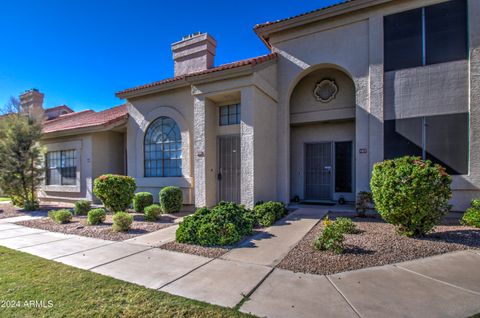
<point>471,217</point>
<point>331,238</point>
<point>96,216</point>
<point>141,200</point>
<point>171,199</point>
<point>224,224</point>
<point>82,207</point>
<point>345,225</point>
<point>115,191</point>
<point>411,194</point>
<point>122,221</point>
<point>61,216</point>
<point>152,212</point>
<point>267,213</point>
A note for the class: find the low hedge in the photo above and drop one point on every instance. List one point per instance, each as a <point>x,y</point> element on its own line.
<point>141,200</point>
<point>115,191</point>
<point>60,216</point>
<point>471,217</point>
<point>225,224</point>
<point>122,221</point>
<point>82,207</point>
<point>171,199</point>
<point>152,212</point>
<point>96,216</point>
<point>268,213</point>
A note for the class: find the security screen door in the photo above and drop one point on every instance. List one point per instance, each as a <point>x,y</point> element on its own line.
<point>229,168</point>
<point>318,171</point>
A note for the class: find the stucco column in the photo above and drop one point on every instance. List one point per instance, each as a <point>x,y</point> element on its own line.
<point>375,150</point>
<point>199,133</point>
<point>247,186</point>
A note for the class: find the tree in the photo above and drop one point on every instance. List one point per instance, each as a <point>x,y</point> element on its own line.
<point>21,156</point>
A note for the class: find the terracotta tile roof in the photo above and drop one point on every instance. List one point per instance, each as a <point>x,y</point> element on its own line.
<point>261,25</point>
<point>86,119</point>
<point>59,107</point>
<point>252,61</point>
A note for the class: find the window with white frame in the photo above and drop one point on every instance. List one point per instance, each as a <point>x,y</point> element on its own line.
<point>163,149</point>
<point>229,115</point>
<point>61,167</point>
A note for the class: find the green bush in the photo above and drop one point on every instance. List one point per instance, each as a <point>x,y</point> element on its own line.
<point>61,216</point>
<point>345,225</point>
<point>122,221</point>
<point>171,199</point>
<point>411,194</point>
<point>331,238</point>
<point>267,213</point>
<point>142,200</point>
<point>115,191</point>
<point>224,224</point>
<point>82,207</point>
<point>471,217</point>
<point>96,216</point>
<point>152,212</point>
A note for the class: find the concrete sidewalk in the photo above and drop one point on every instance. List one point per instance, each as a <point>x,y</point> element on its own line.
<point>442,286</point>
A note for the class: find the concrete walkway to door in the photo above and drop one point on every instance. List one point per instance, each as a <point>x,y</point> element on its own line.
<point>442,286</point>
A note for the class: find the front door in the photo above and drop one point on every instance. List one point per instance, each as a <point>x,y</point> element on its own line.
<point>318,171</point>
<point>229,168</point>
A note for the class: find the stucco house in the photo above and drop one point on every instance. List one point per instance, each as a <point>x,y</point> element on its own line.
<point>344,87</point>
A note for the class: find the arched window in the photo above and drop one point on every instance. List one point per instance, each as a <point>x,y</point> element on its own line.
<point>163,149</point>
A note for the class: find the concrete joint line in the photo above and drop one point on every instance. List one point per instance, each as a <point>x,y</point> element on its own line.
<point>88,249</point>
<point>117,259</point>
<point>344,297</point>
<point>437,280</point>
<point>6,238</point>
<point>62,239</point>
<point>187,273</point>
<point>250,293</point>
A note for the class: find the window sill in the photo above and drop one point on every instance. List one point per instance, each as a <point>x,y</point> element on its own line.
<point>62,188</point>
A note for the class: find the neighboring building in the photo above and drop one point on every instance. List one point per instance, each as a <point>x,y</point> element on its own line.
<point>344,87</point>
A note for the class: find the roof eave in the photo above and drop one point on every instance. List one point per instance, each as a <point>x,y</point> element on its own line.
<point>264,31</point>
<point>153,89</point>
<point>115,123</point>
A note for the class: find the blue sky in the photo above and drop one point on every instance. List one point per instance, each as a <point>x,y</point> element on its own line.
<point>80,53</point>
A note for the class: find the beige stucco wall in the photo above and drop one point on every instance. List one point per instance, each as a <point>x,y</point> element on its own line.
<point>178,105</point>
<point>109,153</point>
<point>353,43</point>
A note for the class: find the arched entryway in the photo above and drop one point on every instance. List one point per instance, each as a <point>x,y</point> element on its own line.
<point>322,136</point>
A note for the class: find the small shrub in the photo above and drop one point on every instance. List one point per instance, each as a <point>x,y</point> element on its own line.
<point>171,199</point>
<point>471,217</point>
<point>331,238</point>
<point>141,200</point>
<point>345,225</point>
<point>60,216</point>
<point>82,207</point>
<point>267,213</point>
<point>115,191</point>
<point>411,194</point>
<point>96,216</point>
<point>122,221</point>
<point>225,224</point>
<point>29,205</point>
<point>152,212</point>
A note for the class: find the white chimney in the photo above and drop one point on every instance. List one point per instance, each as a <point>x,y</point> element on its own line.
<point>193,53</point>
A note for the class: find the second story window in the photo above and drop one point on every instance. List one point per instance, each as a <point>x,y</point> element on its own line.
<point>229,115</point>
<point>424,36</point>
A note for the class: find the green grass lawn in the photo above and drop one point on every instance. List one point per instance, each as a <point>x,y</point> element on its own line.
<point>80,293</point>
<point>3,199</point>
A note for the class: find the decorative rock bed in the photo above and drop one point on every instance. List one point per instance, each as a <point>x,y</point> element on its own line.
<point>376,244</point>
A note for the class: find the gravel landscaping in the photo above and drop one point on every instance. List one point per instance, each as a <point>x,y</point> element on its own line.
<point>210,251</point>
<point>9,211</point>
<point>376,244</point>
<point>79,226</point>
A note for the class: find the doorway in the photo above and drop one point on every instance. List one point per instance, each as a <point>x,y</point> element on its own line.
<point>228,174</point>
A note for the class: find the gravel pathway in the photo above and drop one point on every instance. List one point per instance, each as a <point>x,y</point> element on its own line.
<point>377,244</point>
<point>79,226</point>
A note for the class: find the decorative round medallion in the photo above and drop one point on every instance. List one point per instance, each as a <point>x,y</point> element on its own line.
<point>325,90</point>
